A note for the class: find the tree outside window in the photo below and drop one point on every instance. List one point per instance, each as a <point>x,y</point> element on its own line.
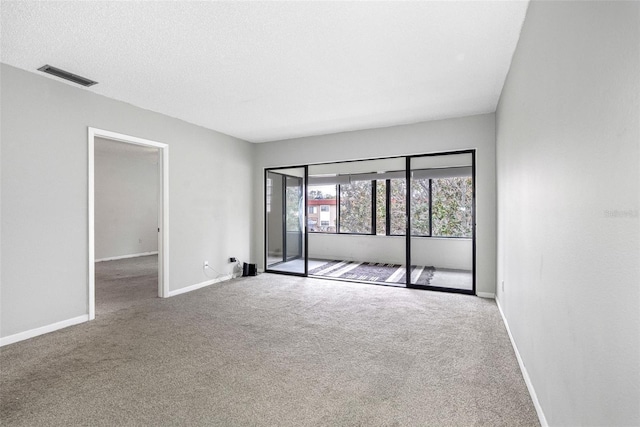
<point>355,207</point>
<point>452,205</point>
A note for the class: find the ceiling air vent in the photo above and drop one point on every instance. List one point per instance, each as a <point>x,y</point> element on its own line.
<point>66,75</point>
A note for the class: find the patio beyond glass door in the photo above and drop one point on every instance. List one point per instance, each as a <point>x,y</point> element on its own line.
<point>285,220</point>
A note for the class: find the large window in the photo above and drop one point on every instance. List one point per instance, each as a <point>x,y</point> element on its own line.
<point>356,207</point>
<point>452,202</point>
<point>381,207</point>
<point>398,207</point>
<point>440,207</point>
<point>420,211</point>
<point>322,202</point>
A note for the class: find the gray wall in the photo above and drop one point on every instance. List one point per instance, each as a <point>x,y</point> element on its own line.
<point>568,154</point>
<point>437,136</point>
<point>431,251</point>
<point>126,199</point>
<point>44,196</point>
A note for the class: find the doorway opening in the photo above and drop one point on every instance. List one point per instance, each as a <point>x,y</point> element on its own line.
<point>128,220</point>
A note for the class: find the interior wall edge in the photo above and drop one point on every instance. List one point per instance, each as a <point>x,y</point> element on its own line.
<point>523,369</point>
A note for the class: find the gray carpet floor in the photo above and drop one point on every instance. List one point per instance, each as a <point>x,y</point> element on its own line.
<point>125,283</point>
<point>273,351</point>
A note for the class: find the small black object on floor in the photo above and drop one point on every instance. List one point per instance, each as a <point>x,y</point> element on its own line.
<point>249,270</point>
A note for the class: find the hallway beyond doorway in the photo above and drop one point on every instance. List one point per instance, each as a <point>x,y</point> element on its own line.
<point>125,283</point>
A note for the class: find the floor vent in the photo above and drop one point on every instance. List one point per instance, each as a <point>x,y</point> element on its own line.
<point>66,75</point>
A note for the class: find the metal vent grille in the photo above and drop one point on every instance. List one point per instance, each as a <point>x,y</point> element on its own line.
<point>66,75</point>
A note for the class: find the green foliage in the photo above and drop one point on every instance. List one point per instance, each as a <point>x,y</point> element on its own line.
<point>420,207</point>
<point>318,195</point>
<point>293,210</point>
<point>398,207</point>
<point>355,207</point>
<point>381,210</point>
<point>452,206</point>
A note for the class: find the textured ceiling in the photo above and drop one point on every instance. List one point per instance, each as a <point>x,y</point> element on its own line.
<point>264,71</point>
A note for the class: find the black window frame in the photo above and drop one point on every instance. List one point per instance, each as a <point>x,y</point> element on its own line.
<point>373,212</point>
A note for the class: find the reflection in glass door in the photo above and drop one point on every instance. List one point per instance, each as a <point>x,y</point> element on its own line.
<point>285,220</point>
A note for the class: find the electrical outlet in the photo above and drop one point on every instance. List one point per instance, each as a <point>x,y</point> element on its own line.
<point>232,259</point>
<point>206,264</point>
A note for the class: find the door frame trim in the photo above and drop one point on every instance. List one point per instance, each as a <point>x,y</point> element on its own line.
<point>163,210</point>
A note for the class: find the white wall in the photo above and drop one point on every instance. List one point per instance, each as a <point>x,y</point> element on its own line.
<point>430,137</point>
<point>126,199</point>
<point>429,251</point>
<point>44,196</point>
<point>568,149</point>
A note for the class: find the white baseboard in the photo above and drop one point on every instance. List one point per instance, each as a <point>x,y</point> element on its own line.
<point>113,258</point>
<point>21,336</point>
<point>200,285</point>
<point>523,369</point>
<point>489,295</point>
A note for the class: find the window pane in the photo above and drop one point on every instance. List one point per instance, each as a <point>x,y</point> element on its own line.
<point>381,208</point>
<point>322,208</point>
<point>355,207</point>
<point>397,208</point>
<point>452,199</point>
<point>419,207</point>
<point>294,204</point>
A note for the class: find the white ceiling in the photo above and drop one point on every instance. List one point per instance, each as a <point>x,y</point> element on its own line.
<point>263,71</point>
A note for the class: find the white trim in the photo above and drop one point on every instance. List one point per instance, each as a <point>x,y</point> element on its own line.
<point>489,295</point>
<point>200,285</point>
<point>523,369</point>
<point>21,336</point>
<point>163,223</point>
<point>114,258</point>
<point>91,294</point>
<point>163,211</point>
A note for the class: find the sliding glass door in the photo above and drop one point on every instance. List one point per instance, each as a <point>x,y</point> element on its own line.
<point>285,220</point>
<point>440,225</point>
<point>404,221</point>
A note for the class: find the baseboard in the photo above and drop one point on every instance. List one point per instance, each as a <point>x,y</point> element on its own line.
<point>113,258</point>
<point>489,295</point>
<point>523,369</point>
<point>200,285</point>
<point>21,336</point>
